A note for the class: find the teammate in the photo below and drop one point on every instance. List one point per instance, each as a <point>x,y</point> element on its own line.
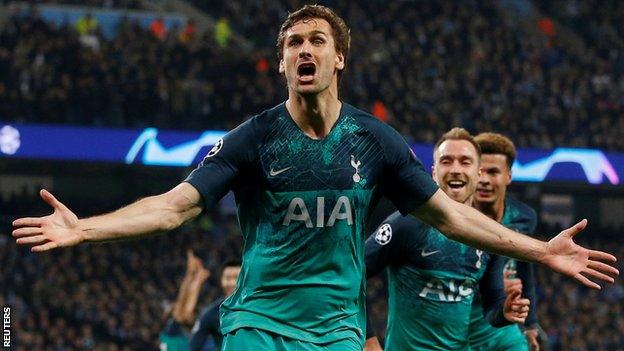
<point>432,279</point>
<point>498,156</point>
<point>305,175</point>
<point>208,323</point>
<point>175,336</point>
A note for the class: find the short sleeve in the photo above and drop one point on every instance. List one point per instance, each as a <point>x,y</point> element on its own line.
<point>404,180</point>
<point>389,244</point>
<point>216,174</point>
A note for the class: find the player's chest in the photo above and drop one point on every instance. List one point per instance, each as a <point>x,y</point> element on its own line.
<point>300,164</point>
<point>441,253</point>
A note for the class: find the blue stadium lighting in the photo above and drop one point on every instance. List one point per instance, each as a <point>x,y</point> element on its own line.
<point>153,147</point>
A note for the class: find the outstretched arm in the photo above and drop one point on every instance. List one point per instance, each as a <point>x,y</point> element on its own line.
<point>149,215</point>
<point>466,224</point>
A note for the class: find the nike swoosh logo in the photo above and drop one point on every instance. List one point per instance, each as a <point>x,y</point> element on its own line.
<point>425,254</point>
<point>273,173</point>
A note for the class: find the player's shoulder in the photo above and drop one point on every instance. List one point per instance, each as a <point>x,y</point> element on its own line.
<point>522,209</point>
<point>368,122</point>
<point>211,312</point>
<point>404,225</point>
<point>520,215</point>
<point>261,123</point>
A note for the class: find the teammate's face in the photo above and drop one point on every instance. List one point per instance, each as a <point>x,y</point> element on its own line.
<point>310,61</point>
<point>494,179</point>
<point>456,169</point>
<point>229,278</point>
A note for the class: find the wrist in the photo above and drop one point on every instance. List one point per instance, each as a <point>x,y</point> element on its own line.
<point>82,233</point>
<point>543,254</point>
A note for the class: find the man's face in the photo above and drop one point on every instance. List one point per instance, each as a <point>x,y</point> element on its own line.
<point>310,61</point>
<point>456,169</point>
<point>229,278</point>
<point>494,179</point>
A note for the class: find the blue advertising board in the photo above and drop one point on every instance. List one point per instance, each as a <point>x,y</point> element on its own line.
<point>153,147</point>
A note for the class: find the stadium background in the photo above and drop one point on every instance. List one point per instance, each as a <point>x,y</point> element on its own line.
<point>546,73</point>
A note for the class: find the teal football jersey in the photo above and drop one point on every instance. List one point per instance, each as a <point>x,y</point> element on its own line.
<point>519,217</point>
<point>302,205</point>
<point>431,284</point>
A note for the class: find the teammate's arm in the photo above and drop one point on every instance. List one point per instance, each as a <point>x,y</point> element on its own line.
<point>468,225</point>
<point>149,215</point>
<point>194,279</point>
<point>501,305</point>
<point>387,245</point>
<point>200,331</point>
<point>372,344</point>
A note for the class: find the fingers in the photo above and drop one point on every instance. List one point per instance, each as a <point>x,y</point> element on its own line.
<point>45,247</point>
<point>575,229</point>
<point>513,295</point>
<point>513,285</point>
<point>32,240</point>
<point>27,231</point>
<point>598,275</point>
<point>588,283</point>
<point>603,256</point>
<point>515,319</point>
<point>51,200</point>
<point>28,222</point>
<point>522,304</point>
<point>603,267</point>
<point>509,272</point>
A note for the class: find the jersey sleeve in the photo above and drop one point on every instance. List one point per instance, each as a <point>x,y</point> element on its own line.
<point>526,273</point>
<point>173,328</point>
<point>388,245</point>
<point>203,328</point>
<point>404,180</point>
<point>493,292</point>
<point>218,171</point>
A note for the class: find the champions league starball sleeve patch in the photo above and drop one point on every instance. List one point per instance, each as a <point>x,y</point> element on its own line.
<point>216,148</point>
<point>384,234</point>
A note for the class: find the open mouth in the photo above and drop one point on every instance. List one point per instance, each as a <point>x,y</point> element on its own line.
<point>306,71</point>
<point>456,184</point>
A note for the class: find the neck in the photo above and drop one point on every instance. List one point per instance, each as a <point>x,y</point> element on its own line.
<point>315,114</point>
<point>494,210</point>
<point>469,201</point>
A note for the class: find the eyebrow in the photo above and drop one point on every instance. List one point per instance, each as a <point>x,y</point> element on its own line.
<point>310,33</point>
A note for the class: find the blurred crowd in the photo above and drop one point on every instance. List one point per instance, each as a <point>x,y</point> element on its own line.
<point>105,4</point>
<point>422,66</point>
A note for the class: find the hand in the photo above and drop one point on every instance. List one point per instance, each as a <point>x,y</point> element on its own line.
<point>195,268</point>
<point>60,229</point>
<point>202,275</point>
<point>531,335</point>
<point>516,309</point>
<point>372,344</point>
<point>511,284</point>
<point>566,257</point>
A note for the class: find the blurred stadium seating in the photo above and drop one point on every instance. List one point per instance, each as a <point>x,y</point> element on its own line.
<point>550,77</point>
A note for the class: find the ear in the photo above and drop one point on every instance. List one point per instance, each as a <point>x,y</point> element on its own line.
<point>340,61</point>
<point>433,173</point>
<point>509,178</point>
<point>282,69</point>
